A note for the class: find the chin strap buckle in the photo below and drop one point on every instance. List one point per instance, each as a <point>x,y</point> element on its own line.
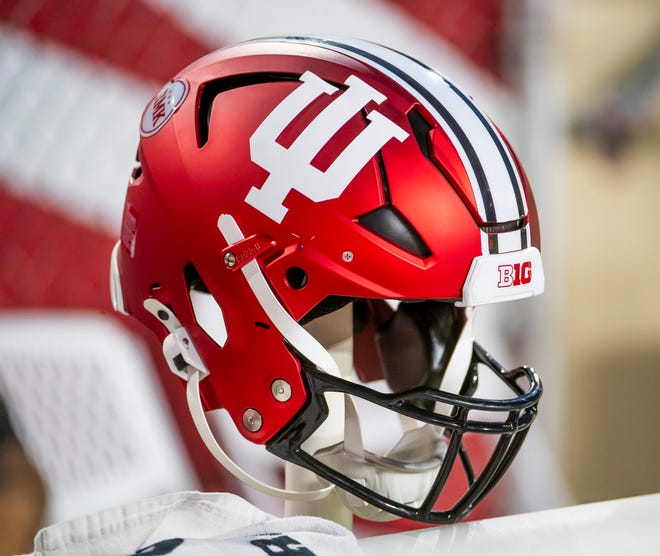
<point>180,352</point>
<point>181,355</point>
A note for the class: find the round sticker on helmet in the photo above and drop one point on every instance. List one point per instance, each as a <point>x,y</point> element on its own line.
<point>163,106</point>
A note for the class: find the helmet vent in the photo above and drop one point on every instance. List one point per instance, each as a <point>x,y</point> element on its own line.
<point>193,279</point>
<point>211,89</point>
<point>421,129</point>
<point>205,308</point>
<point>388,223</point>
<point>296,277</point>
<point>137,169</point>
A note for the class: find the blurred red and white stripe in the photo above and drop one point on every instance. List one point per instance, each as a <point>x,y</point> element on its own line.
<point>75,76</point>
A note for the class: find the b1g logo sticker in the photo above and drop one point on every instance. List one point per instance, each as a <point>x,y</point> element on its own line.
<point>291,168</point>
<point>163,106</point>
<point>514,274</point>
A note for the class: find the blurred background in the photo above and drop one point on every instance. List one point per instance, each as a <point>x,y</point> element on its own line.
<point>94,418</point>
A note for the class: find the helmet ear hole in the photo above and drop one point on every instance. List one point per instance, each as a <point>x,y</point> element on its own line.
<point>296,277</point>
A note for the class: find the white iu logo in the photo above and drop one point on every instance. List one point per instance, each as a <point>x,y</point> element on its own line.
<point>291,168</point>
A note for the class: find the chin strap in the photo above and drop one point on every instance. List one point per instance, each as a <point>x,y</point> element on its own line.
<point>204,430</point>
<point>184,361</point>
<point>405,473</point>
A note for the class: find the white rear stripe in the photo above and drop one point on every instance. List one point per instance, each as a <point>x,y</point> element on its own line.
<point>483,137</point>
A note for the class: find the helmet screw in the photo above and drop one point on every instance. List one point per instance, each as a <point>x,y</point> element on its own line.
<point>281,390</point>
<point>252,419</point>
<point>347,256</point>
<point>230,260</point>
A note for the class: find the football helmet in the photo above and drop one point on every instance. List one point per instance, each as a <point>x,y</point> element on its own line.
<point>285,181</point>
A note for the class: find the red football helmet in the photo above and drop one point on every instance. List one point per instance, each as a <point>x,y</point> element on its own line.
<point>284,181</point>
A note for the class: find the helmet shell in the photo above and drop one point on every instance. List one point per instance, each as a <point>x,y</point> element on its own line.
<point>405,222</point>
